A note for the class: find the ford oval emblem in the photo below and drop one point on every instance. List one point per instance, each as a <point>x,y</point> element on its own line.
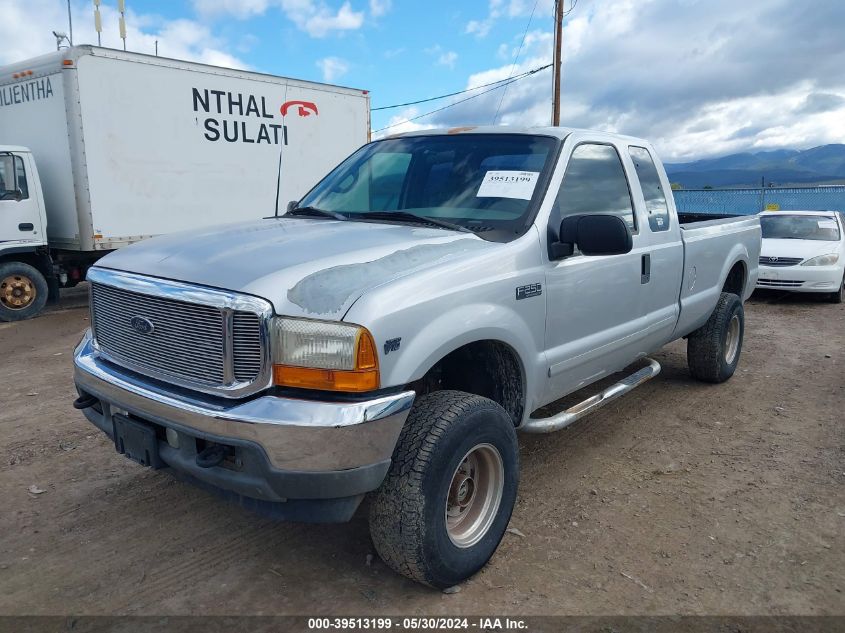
<point>142,325</point>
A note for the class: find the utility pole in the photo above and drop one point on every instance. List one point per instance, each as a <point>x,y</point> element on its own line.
<point>557,62</point>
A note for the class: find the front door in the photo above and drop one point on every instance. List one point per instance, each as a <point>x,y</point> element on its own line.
<point>19,214</point>
<point>595,317</point>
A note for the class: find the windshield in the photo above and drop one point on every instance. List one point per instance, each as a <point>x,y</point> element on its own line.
<point>490,184</point>
<point>800,227</point>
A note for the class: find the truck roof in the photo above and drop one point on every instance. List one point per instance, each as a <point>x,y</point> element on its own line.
<point>54,62</point>
<point>17,149</point>
<point>558,132</point>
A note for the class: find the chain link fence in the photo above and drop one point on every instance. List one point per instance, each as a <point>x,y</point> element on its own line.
<point>751,201</point>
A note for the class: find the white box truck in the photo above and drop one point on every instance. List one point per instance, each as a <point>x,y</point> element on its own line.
<point>102,148</point>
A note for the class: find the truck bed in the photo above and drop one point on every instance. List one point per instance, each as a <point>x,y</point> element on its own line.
<point>710,246</point>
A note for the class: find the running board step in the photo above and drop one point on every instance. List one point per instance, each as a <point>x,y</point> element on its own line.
<point>578,411</point>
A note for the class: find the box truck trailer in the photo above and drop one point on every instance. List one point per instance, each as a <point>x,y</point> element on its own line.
<point>102,148</point>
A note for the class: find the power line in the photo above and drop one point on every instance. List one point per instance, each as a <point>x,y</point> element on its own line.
<point>454,94</point>
<point>502,84</point>
<point>515,59</point>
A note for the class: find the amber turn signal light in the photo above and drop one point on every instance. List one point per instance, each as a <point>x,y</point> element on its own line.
<point>364,377</point>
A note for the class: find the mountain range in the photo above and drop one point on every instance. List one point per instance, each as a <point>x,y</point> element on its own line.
<point>824,164</point>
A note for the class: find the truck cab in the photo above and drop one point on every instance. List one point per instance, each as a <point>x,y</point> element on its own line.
<point>25,265</point>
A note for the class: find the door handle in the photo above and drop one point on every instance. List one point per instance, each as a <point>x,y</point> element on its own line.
<point>645,269</point>
<point>26,226</point>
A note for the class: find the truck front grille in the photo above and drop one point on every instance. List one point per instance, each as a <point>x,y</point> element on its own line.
<point>246,345</point>
<point>171,339</point>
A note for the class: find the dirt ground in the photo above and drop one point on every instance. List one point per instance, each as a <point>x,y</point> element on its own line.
<point>682,498</point>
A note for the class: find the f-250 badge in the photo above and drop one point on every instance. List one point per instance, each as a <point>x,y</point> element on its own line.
<point>531,290</point>
<point>391,345</point>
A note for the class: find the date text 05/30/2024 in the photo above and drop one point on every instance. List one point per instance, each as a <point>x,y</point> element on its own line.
<point>418,624</point>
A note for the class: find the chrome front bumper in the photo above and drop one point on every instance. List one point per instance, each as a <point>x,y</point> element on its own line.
<point>301,436</point>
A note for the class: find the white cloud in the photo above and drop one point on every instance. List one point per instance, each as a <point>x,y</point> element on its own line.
<point>240,9</point>
<point>333,68</point>
<point>479,27</point>
<point>393,52</point>
<point>380,7</point>
<point>22,37</point>
<point>448,59</point>
<point>318,20</point>
<point>399,123</point>
<point>315,17</point>
<point>513,9</point>
<point>696,78</point>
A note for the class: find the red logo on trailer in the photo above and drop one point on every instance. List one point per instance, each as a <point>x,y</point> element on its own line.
<point>305,108</point>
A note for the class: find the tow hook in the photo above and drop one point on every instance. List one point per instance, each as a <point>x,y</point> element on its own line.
<point>212,455</point>
<point>84,401</point>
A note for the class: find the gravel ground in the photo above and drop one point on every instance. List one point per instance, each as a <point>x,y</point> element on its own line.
<point>682,498</point>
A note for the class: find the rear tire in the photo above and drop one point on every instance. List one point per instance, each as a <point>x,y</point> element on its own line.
<point>713,350</point>
<point>23,291</point>
<point>447,499</point>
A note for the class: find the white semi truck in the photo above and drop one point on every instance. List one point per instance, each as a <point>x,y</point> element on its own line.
<point>102,148</point>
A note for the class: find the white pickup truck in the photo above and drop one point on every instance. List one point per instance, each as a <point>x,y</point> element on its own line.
<point>393,330</point>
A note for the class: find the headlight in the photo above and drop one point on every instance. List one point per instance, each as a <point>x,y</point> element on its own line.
<point>822,260</point>
<point>323,355</point>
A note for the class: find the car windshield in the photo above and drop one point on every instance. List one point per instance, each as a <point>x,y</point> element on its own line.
<point>800,227</point>
<point>490,184</point>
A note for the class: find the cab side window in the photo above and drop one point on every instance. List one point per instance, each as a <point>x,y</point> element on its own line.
<point>21,177</point>
<point>12,177</point>
<point>655,198</point>
<point>594,182</point>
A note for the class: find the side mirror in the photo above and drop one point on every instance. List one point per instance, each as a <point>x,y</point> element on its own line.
<point>292,205</point>
<point>594,234</point>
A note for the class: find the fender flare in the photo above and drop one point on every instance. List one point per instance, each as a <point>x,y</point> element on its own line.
<point>427,347</point>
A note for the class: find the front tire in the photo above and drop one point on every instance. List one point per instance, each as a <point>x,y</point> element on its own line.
<point>23,291</point>
<point>445,504</point>
<point>713,350</point>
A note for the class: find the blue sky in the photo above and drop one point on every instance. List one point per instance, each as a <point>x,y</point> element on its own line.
<point>697,77</point>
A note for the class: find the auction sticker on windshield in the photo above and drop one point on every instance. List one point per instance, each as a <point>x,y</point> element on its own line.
<point>508,184</point>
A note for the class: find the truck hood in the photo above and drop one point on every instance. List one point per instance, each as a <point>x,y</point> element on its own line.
<point>797,248</point>
<point>306,267</point>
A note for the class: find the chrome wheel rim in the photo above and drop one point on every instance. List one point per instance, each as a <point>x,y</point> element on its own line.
<point>474,495</point>
<point>732,340</point>
<point>17,292</point>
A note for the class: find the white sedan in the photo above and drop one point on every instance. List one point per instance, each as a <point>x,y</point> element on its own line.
<point>803,251</point>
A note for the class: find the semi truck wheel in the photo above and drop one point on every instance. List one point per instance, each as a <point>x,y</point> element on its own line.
<point>713,349</point>
<point>23,291</point>
<point>447,499</point>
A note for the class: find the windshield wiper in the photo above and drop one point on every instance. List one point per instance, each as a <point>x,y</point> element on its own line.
<point>314,211</point>
<point>411,217</point>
